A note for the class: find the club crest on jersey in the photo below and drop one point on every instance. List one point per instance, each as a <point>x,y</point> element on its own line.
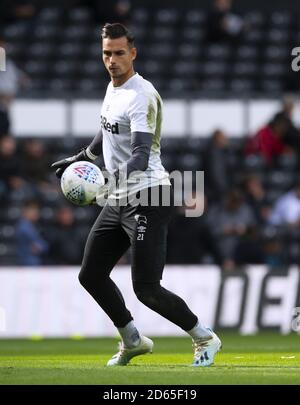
<point>113,128</point>
<point>141,219</point>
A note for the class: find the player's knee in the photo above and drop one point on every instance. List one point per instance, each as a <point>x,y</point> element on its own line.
<point>82,277</point>
<point>85,277</point>
<point>91,275</point>
<point>146,293</point>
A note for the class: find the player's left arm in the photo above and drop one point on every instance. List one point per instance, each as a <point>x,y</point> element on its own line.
<point>142,115</point>
<point>140,151</point>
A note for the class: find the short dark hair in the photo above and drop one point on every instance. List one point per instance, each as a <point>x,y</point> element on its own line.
<point>280,118</point>
<point>117,30</point>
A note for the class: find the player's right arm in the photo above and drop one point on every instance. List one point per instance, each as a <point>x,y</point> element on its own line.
<point>88,154</point>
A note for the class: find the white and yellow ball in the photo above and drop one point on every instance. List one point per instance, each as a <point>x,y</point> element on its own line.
<point>81,182</point>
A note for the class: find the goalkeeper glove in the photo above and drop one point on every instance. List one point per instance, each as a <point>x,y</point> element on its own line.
<point>61,165</point>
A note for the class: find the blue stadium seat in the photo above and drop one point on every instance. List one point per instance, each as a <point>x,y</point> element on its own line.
<point>167,16</point>
<point>140,16</point>
<point>194,17</point>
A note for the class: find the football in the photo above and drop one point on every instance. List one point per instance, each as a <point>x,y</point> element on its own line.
<point>81,182</point>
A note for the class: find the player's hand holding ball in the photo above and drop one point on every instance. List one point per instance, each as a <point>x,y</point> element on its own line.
<point>81,182</point>
<point>61,165</point>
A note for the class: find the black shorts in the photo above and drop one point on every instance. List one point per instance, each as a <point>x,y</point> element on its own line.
<point>143,227</point>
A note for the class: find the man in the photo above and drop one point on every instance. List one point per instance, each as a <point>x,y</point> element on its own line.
<point>222,24</point>
<point>269,141</point>
<point>216,165</point>
<point>12,79</point>
<point>292,137</point>
<point>130,134</point>
<point>30,244</point>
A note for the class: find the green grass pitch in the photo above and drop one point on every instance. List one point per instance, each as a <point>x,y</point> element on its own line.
<point>267,358</point>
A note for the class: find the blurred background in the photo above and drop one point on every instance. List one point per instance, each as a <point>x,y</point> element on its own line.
<point>224,70</point>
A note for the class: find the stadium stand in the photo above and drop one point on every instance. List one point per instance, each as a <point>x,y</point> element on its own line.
<point>59,49</point>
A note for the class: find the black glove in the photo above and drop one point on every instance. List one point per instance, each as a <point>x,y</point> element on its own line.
<point>61,165</point>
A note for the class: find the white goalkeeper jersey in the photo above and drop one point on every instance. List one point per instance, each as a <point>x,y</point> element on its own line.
<point>133,107</point>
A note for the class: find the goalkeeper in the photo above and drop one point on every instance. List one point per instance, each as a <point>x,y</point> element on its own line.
<point>129,139</point>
